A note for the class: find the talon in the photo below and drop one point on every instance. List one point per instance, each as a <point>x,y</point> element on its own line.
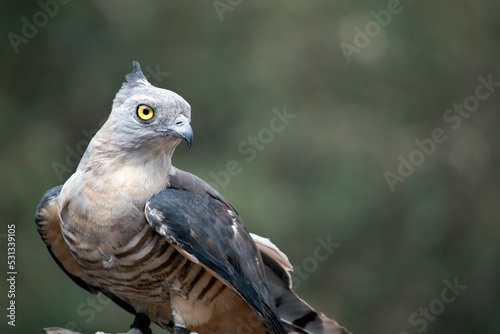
<point>181,330</point>
<point>142,322</point>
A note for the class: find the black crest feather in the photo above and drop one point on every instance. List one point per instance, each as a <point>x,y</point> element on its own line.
<point>136,76</point>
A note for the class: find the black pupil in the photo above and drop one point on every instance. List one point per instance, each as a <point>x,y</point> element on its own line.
<point>145,111</point>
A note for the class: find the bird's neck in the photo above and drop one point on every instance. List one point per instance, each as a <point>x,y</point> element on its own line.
<point>114,177</point>
<point>110,189</point>
<point>106,157</point>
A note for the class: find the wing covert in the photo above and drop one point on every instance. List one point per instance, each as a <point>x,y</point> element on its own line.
<point>211,231</point>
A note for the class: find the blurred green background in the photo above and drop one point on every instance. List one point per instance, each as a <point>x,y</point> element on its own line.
<point>356,112</point>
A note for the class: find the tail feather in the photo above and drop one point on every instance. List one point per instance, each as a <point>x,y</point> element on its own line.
<point>297,316</point>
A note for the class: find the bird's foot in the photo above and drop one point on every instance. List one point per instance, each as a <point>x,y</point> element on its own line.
<point>181,330</point>
<point>141,323</point>
<point>131,331</point>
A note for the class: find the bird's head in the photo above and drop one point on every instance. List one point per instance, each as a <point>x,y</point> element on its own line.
<point>148,118</point>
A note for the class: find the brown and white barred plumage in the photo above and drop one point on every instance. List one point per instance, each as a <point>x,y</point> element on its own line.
<point>161,242</point>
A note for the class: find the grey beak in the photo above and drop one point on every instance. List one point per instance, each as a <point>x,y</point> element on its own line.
<point>179,129</point>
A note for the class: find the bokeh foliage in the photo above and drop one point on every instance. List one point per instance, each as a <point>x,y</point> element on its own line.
<point>322,175</point>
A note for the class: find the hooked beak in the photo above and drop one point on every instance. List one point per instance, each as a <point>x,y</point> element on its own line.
<point>179,129</point>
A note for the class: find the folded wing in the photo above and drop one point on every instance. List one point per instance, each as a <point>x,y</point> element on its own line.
<point>211,233</point>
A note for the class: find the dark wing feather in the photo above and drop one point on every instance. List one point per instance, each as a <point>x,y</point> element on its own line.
<point>295,313</point>
<point>206,227</point>
<point>48,226</point>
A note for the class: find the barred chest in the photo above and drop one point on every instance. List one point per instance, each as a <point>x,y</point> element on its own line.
<point>143,264</point>
<point>111,240</point>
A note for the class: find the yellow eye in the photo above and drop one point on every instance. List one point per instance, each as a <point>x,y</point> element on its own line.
<point>145,112</point>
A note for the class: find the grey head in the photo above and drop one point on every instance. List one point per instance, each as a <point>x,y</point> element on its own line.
<point>145,122</point>
<point>145,113</point>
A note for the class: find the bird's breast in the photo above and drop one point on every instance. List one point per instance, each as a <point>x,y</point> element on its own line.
<point>110,238</point>
<point>147,267</point>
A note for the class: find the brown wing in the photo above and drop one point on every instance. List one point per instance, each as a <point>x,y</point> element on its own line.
<point>296,315</point>
<point>195,218</point>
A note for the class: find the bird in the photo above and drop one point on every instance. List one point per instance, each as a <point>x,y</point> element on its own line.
<point>160,242</point>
